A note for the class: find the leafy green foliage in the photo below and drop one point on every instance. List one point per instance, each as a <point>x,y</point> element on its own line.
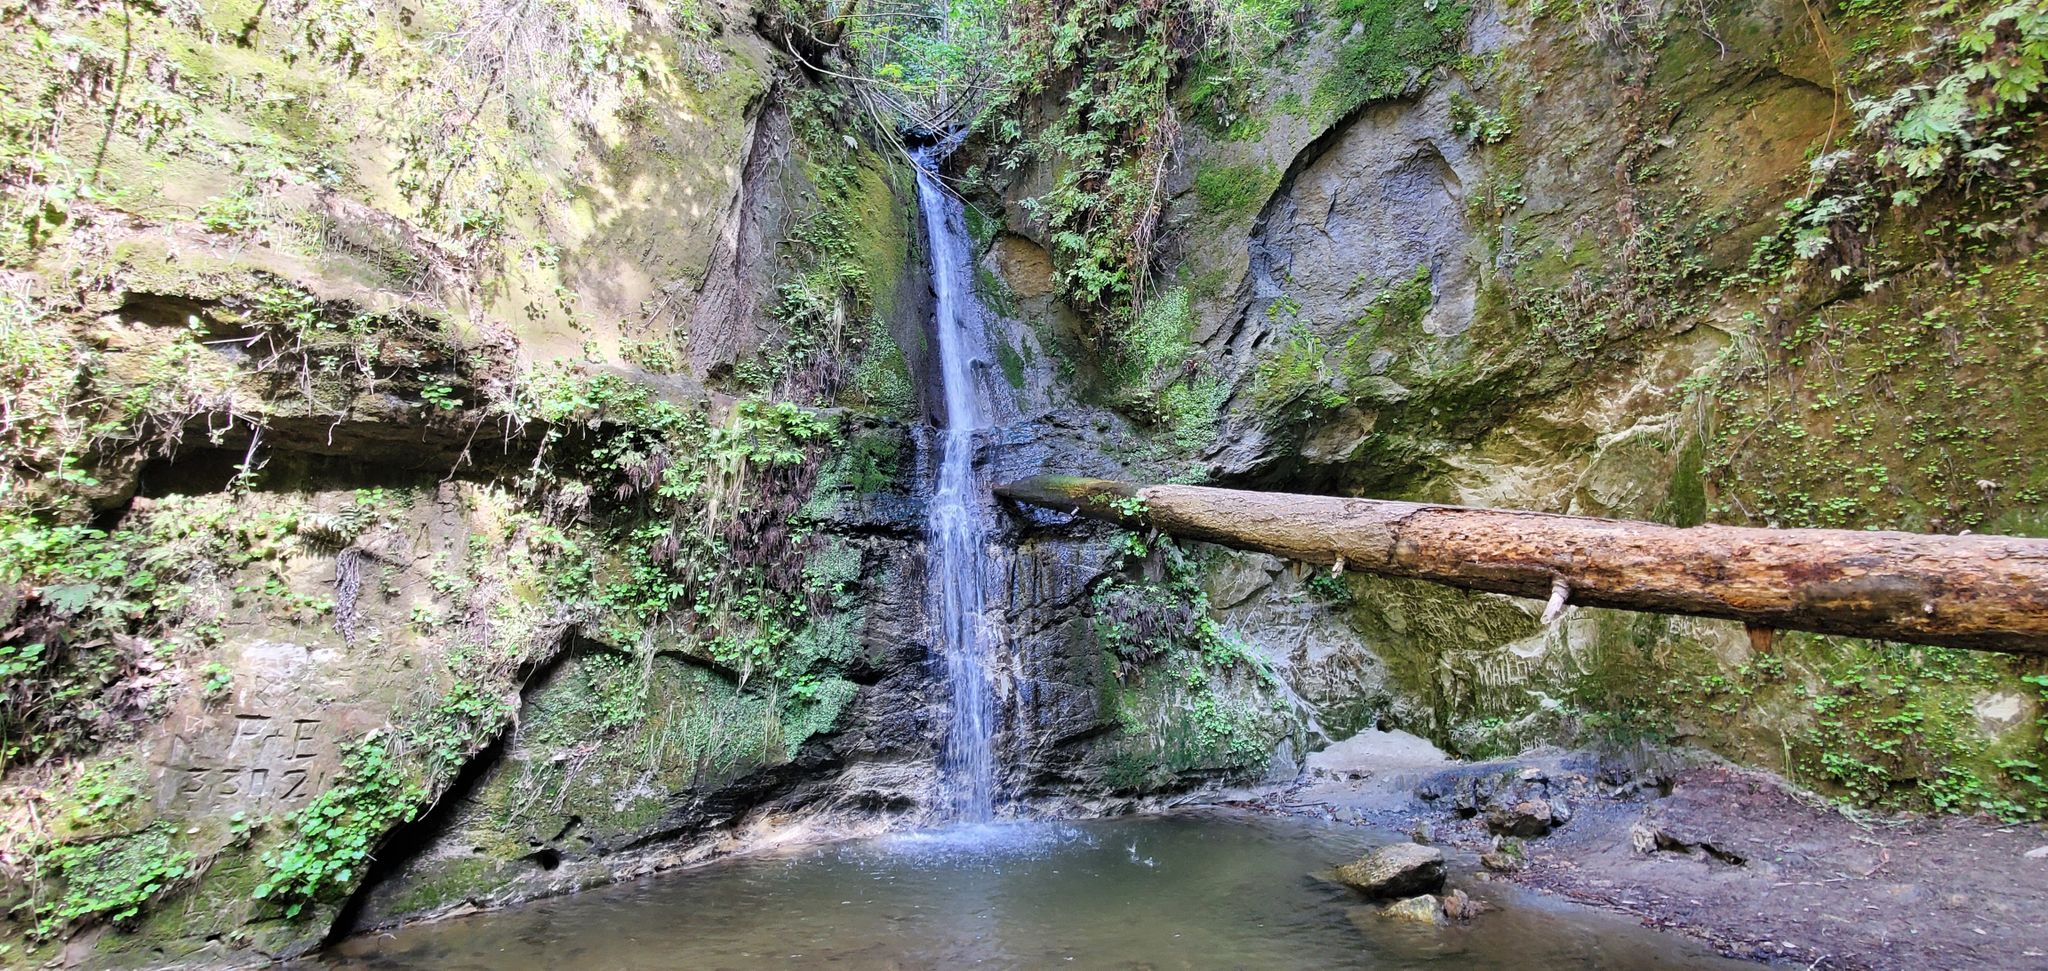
<point>46,372</point>
<point>109,609</point>
<point>1655,274</point>
<point>1223,82</point>
<point>66,408</point>
<point>1130,507</point>
<point>1894,411</point>
<point>1157,373</point>
<point>2003,63</point>
<point>108,880</point>
<point>1189,697</point>
<point>1113,68</point>
<point>1475,122</point>
<point>457,726</point>
<point>335,836</point>
<point>56,669</point>
<point>101,795</point>
<point>820,302</point>
<point>53,75</point>
<point>702,531</point>
<point>814,709</point>
<point>1329,588</point>
<point>439,395</point>
<point>1896,729</point>
<point>1959,112</point>
<point>1907,414</point>
<point>1159,603</point>
<point>835,305</point>
<point>643,516</point>
<point>235,213</point>
<point>1109,146</point>
<point>940,59</point>
<point>1105,198</point>
<point>218,683</point>
<point>468,109</point>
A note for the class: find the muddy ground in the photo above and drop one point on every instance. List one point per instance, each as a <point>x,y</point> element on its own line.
<point>1734,857</point>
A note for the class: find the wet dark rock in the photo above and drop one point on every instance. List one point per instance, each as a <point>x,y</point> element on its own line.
<point>1395,870</point>
<point>1513,800</point>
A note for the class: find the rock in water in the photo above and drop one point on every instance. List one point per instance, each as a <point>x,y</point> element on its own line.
<point>1421,910</point>
<point>1458,906</point>
<point>1396,870</point>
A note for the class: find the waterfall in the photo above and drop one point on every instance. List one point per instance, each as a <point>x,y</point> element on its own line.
<point>954,521</point>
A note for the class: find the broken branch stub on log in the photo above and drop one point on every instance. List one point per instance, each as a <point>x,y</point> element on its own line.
<point>1983,592</point>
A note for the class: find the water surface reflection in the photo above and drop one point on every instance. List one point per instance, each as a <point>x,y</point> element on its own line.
<point>1199,890</point>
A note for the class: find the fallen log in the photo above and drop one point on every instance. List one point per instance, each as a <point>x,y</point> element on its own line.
<point>1983,592</point>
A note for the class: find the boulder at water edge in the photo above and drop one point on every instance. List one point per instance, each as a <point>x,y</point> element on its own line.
<point>1528,817</point>
<point>1395,870</point>
<point>1459,906</point>
<point>1420,910</point>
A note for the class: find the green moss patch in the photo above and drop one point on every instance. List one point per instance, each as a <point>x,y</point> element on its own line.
<point>1388,48</point>
<point>1190,702</point>
<point>1233,191</point>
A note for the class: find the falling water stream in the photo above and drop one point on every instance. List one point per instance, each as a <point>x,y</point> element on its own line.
<point>954,520</point>
<point>1186,892</point>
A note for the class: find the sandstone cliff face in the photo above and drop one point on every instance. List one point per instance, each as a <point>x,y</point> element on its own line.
<point>1553,272</point>
<point>452,467</point>
<point>344,400</point>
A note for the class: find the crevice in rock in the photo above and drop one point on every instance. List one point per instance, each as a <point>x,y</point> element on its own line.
<point>547,858</point>
<point>713,326</point>
<point>406,842</point>
<point>203,470</point>
<point>175,311</point>
<point>411,839</point>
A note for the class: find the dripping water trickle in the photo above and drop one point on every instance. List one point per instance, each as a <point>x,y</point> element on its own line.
<point>954,520</point>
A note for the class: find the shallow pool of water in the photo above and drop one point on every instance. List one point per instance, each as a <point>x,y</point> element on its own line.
<point>1199,890</point>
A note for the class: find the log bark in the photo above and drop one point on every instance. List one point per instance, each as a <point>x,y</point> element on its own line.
<point>1984,592</point>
